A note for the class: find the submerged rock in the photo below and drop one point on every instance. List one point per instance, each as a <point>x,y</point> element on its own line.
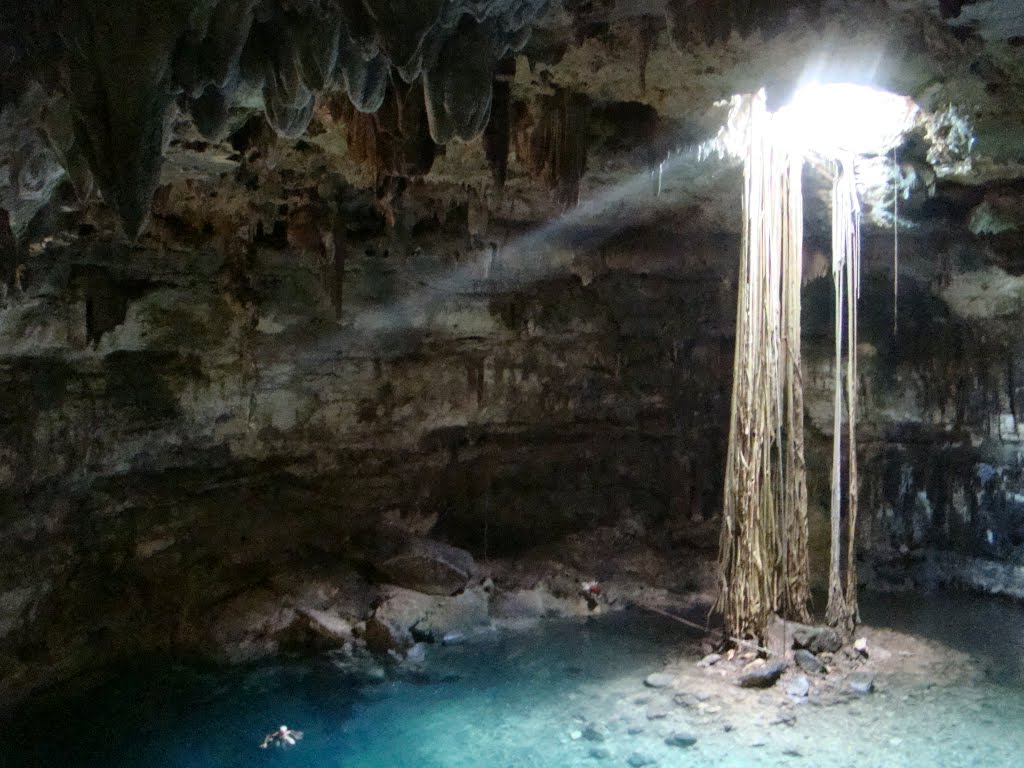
<point>659,680</point>
<point>681,739</point>
<point>638,760</point>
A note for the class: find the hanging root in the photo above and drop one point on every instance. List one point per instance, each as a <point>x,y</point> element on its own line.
<point>841,611</point>
<point>763,560</point>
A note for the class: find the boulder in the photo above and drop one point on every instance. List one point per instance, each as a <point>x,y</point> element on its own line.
<point>250,626</point>
<point>382,635</point>
<point>431,617</point>
<point>430,567</point>
<point>807,661</point>
<point>817,639</point>
<point>762,674</point>
<point>782,636</point>
<point>328,625</point>
<point>523,604</point>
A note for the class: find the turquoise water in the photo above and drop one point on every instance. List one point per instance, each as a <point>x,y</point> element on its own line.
<point>498,700</point>
<point>526,699</point>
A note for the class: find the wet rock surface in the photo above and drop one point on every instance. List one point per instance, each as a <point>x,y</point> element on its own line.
<point>324,326</point>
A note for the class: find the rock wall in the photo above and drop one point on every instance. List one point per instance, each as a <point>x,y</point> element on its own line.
<point>200,438</point>
<point>939,445</point>
<point>188,433</point>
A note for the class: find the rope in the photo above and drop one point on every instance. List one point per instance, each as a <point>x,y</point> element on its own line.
<point>705,629</point>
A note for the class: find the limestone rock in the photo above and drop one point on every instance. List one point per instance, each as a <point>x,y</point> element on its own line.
<point>861,683</point>
<point>807,661</point>
<point>329,625</point>
<point>430,567</point>
<point>817,639</point>
<point>382,635</point>
<point>251,626</point>
<point>519,604</point>
<point>429,616</point>
<point>798,687</point>
<point>762,674</point>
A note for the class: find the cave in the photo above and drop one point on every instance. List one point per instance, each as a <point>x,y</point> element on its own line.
<point>511,383</point>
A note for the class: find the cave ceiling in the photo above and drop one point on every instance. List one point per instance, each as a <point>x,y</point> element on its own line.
<point>185,120</point>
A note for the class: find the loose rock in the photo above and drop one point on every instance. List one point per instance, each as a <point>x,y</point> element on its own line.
<point>382,636</point>
<point>807,661</point>
<point>710,660</point>
<point>862,682</point>
<point>798,687</point>
<point>762,675</point>
<point>817,639</point>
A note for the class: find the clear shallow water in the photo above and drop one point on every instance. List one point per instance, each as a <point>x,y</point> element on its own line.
<point>990,629</point>
<point>513,701</point>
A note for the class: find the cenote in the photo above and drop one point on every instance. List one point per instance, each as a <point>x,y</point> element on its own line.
<point>561,693</point>
<point>421,376</point>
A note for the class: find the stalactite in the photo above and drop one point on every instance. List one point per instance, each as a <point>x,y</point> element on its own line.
<point>457,88</point>
<point>211,54</point>
<point>210,112</point>
<point>365,80</point>
<point>554,142</point>
<point>395,140</point>
<point>124,67</point>
<point>497,134</point>
<point>121,94</point>
<point>407,29</point>
<point>713,21</point>
<point>648,34</point>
